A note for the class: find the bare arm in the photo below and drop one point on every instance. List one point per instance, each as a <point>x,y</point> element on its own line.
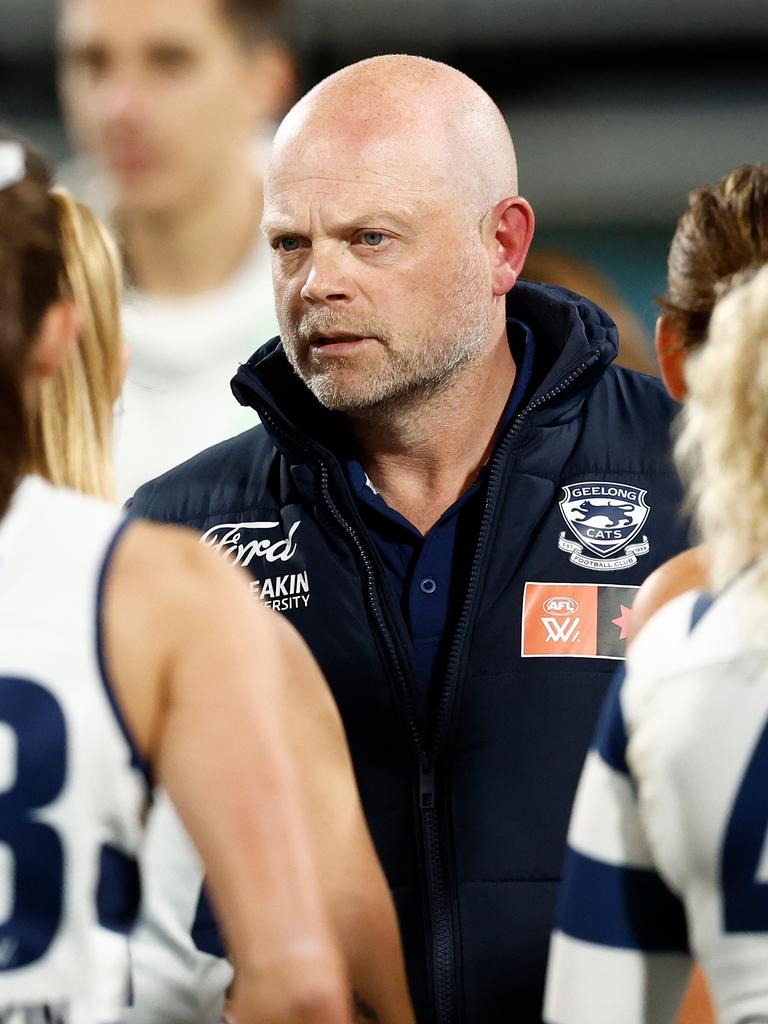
<point>351,876</point>
<point>686,571</point>
<point>198,667</point>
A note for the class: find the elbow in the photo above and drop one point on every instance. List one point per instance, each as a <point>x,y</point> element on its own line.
<point>322,1006</point>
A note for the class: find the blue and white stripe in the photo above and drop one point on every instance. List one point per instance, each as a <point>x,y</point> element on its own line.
<point>620,948</point>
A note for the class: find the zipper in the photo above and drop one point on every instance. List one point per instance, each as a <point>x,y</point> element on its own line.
<point>485,523</point>
<point>370,575</point>
<point>373,600</point>
<point>443,955</point>
<point>444,990</point>
<point>444,987</point>
<point>440,941</point>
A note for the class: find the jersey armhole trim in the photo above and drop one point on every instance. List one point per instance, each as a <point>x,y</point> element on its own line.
<point>700,608</point>
<point>137,758</point>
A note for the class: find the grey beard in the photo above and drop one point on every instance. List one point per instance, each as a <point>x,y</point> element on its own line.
<point>412,374</point>
<point>404,385</point>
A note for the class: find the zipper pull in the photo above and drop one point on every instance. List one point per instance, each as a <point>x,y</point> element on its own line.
<point>427,784</point>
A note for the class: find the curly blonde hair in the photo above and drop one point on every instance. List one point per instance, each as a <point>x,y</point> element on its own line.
<point>723,435</point>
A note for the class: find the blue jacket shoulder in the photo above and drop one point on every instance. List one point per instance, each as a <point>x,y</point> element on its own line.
<point>214,481</point>
<point>627,421</point>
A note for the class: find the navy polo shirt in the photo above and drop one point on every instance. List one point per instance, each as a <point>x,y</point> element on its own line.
<point>428,574</point>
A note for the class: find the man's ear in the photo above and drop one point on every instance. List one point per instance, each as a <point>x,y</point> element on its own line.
<point>671,355</point>
<point>514,223</point>
<point>273,80</point>
<point>56,337</point>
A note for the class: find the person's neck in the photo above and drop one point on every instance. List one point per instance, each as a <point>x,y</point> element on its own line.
<point>194,248</point>
<point>423,458</point>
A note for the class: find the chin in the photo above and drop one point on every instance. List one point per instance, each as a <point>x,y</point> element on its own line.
<point>145,196</point>
<point>335,394</point>
<point>360,401</point>
<point>333,398</point>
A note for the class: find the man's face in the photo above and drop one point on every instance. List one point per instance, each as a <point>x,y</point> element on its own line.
<point>382,282</point>
<point>159,92</point>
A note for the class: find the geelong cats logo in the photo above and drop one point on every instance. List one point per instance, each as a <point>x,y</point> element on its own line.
<point>604,518</point>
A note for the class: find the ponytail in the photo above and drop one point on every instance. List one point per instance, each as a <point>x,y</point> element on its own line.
<point>30,271</point>
<point>53,248</point>
<point>71,426</point>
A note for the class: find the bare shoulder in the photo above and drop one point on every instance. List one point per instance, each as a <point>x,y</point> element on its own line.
<point>176,594</point>
<point>306,695</point>
<point>686,571</point>
<point>150,550</point>
<point>171,607</point>
<point>160,567</point>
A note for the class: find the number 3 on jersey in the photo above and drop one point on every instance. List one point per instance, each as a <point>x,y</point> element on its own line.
<point>33,760</point>
<point>744,868</point>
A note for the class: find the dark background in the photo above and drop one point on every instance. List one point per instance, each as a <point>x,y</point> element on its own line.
<point>617,107</point>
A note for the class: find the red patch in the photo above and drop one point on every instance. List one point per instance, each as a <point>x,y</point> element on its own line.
<point>560,620</point>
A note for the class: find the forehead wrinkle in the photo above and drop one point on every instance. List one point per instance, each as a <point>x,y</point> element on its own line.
<point>358,187</point>
<point>382,180</point>
<point>326,157</point>
<point>289,193</point>
<point>412,167</point>
<point>335,216</point>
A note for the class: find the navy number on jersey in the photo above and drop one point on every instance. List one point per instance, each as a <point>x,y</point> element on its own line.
<point>33,767</point>
<point>745,899</point>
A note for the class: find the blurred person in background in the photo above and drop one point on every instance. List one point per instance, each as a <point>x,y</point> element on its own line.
<point>453,495</point>
<point>667,840</point>
<point>556,266</point>
<point>168,101</point>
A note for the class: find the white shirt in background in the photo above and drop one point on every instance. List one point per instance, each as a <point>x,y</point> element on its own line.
<point>184,352</point>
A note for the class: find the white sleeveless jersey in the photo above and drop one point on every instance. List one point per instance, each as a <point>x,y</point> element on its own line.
<point>667,849</point>
<point>178,970</point>
<point>71,790</point>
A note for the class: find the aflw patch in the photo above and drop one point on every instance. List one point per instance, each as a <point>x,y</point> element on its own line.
<point>581,620</point>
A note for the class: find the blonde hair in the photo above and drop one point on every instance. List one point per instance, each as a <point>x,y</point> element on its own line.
<point>723,440</point>
<point>71,424</point>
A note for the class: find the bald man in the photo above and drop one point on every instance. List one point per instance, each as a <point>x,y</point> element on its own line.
<point>453,495</point>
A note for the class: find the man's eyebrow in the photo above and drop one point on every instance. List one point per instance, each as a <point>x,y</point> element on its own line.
<point>281,221</point>
<point>377,216</point>
<point>276,222</point>
<point>76,49</point>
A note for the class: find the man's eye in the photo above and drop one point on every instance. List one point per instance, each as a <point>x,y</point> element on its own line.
<point>90,59</point>
<point>373,238</point>
<point>287,244</point>
<point>170,58</point>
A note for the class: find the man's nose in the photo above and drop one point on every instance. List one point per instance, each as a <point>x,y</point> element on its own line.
<point>327,282</point>
<point>123,98</point>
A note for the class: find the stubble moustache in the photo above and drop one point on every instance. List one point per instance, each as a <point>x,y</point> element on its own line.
<point>409,368</point>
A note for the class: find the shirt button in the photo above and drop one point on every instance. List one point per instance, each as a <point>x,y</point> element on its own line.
<point>428,586</point>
